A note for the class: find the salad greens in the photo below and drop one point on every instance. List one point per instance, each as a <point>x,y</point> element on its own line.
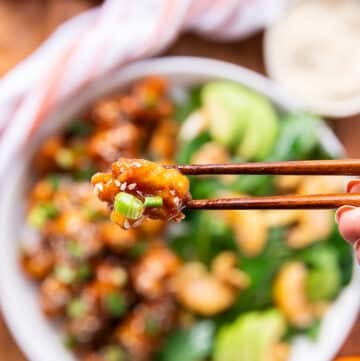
<point>220,285</point>
<point>192,344</point>
<point>248,126</point>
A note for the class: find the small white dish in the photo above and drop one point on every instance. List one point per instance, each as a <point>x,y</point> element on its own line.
<point>35,335</point>
<point>312,51</point>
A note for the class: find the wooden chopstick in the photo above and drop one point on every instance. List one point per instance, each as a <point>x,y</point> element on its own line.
<point>317,201</point>
<point>349,167</point>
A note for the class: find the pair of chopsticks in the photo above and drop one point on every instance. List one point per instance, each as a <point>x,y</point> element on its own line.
<point>349,167</point>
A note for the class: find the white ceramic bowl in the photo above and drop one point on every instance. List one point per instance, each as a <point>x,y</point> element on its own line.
<point>36,336</point>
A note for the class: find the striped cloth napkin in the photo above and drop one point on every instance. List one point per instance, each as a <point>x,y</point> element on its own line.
<point>105,38</point>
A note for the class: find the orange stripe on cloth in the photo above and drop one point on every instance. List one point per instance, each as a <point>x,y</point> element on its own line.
<point>56,80</point>
<point>163,20</point>
<point>159,28</point>
<point>54,83</point>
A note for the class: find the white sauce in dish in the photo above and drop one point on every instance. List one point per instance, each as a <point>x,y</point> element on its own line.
<point>314,52</point>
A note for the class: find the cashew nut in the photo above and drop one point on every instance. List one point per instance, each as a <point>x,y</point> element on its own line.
<point>194,125</point>
<point>224,269</point>
<point>251,231</point>
<point>281,217</point>
<point>211,153</point>
<point>208,293</point>
<point>197,290</point>
<point>312,226</point>
<point>287,182</point>
<point>290,294</point>
<point>321,184</point>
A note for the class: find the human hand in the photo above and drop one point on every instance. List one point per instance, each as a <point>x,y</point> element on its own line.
<point>348,218</point>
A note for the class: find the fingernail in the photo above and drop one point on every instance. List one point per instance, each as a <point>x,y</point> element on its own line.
<point>357,250</point>
<point>353,186</point>
<point>341,211</point>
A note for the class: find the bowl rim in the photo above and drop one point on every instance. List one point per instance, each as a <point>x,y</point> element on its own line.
<point>167,66</point>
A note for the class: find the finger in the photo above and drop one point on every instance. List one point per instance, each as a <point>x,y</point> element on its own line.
<point>341,211</point>
<point>357,250</point>
<point>353,186</point>
<point>349,223</point>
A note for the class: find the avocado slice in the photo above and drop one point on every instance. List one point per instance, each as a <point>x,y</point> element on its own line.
<point>250,337</point>
<point>240,118</point>
<point>226,105</point>
<point>324,276</point>
<point>261,132</point>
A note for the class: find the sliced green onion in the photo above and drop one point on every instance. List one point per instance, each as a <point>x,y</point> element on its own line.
<point>70,342</point>
<point>65,158</point>
<point>119,276</point>
<point>94,214</point>
<point>152,326</point>
<point>76,308</point>
<point>83,174</point>
<point>128,205</point>
<point>113,353</point>
<point>155,201</point>
<point>65,274</point>
<point>54,180</point>
<point>115,304</point>
<point>79,128</point>
<point>83,272</point>
<point>138,249</point>
<point>41,213</point>
<point>74,249</point>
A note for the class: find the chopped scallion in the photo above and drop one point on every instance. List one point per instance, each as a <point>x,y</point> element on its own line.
<point>65,274</point>
<point>113,353</point>
<point>65,158</point>
<point>83,272</point>
<point>155,201</point>
<point>152,325</point>
<point>138,249</point>
<point>128,205</point>
<point>83,173</point>
<point>76,308</point>
<point>115,304</point>
<point>70,342</point>
<point>41,213</point>
<point>54,181</point>
<point>79,128</point>
<point>74,249</point>
<point>119,276</point>
<point>92,214</point>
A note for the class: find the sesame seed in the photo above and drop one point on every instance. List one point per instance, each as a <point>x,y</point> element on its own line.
<point>98,188</point>
<point>138,222</point>
<point>123,186</point>
<point>132,186</point>
<point>126,224</point>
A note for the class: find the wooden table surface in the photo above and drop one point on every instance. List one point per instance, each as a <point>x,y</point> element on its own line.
<point>247,53</point>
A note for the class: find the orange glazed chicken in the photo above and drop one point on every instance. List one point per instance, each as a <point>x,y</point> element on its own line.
<point>137,188</point>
